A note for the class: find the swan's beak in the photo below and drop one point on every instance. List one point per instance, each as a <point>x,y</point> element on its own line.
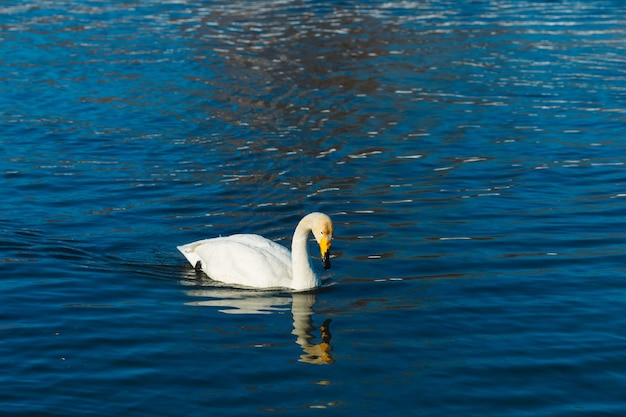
<point>325,250</point>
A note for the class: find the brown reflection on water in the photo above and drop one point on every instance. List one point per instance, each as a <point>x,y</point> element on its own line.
<point>274,67</point>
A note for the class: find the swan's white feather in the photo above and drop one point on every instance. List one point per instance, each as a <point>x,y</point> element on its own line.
<point>243,259</point>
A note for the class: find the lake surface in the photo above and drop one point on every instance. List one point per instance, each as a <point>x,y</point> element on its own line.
<point>471,154</point>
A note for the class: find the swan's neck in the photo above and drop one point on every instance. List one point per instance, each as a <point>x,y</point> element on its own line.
<point>303,277</point>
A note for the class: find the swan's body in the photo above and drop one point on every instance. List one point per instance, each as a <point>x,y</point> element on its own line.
<point>254,261</point>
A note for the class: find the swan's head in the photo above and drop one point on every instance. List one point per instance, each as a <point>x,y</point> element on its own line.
<point>322,229</point>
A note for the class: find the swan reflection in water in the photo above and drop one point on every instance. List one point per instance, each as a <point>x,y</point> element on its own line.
<point>302,311</point>
<point>232,301</point>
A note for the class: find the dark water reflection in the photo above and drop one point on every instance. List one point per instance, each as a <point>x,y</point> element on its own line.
<point>294,68</point>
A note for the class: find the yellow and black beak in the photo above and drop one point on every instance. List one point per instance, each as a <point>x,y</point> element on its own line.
<point>325,250</point>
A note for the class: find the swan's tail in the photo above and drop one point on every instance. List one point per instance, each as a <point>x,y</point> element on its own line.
<point>189,252</point>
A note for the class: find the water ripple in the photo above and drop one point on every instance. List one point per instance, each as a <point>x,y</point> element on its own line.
<point>469,154</point>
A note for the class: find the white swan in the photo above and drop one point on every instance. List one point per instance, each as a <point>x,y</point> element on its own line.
<point>254,261</point>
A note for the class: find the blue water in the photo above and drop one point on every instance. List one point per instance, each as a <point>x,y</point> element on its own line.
<point>471,154</point>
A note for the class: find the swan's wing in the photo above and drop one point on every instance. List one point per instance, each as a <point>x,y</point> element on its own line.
<point>249,260</point>
<point>262,244</point>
